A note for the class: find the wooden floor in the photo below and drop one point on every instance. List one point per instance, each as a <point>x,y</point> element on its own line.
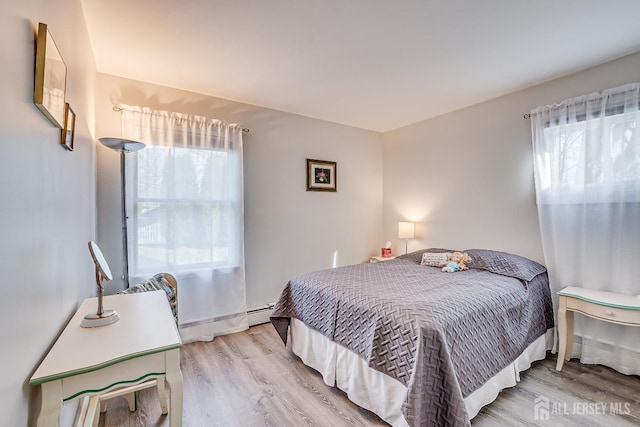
<point>249,379</point>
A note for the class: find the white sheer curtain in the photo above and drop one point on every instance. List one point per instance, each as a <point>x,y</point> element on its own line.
<point>185,215</point>
<point>587,174</point>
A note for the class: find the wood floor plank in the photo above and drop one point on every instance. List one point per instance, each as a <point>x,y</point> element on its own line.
<point>250,379</point>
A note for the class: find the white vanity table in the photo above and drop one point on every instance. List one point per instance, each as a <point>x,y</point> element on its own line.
<point>143,344</point>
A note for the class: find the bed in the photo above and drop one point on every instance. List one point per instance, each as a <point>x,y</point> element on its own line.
<point>413,344</point>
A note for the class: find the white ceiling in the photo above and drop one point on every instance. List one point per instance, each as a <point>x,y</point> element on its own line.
<point>373,64</point>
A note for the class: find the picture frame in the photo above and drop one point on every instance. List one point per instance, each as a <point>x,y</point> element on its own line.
<point>69,130</point>
<point>322,175</point>
<point>50,79</point>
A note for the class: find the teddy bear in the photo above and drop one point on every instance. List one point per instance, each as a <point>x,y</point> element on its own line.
<point>456,262</point>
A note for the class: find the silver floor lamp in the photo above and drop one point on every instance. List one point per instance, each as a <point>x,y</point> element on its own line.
<point>123,146</point>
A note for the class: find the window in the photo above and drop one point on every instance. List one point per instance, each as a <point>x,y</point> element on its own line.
<point>182,213</point>
<point>590,161</point>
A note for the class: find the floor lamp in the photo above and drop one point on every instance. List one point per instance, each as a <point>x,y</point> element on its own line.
<point>123,146</point>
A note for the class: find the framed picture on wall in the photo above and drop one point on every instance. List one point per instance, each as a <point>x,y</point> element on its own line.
<point>69,129</point>
<point>321,175</point>
<point>51,78</point>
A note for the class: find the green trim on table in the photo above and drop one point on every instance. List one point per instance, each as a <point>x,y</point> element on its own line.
<point>96,391</point>
<point>102,365</point>
<point>599,302</point>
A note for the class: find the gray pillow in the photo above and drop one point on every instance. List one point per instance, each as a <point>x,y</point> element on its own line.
<point>505,264</point>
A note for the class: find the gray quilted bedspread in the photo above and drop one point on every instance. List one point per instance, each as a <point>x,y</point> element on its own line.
<point>443,335</point>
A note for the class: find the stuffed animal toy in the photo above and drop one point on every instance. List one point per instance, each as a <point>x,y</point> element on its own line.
<point>456,262</point>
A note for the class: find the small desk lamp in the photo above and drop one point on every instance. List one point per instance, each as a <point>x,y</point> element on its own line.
<point>406,230</point>
<point>101,317</point>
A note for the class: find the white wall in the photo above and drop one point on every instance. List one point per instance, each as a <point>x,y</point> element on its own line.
<point>287,229</point>
<point>47,213</point>
<point>467,177</point>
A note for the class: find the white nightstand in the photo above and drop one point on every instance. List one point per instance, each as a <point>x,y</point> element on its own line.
<point>606,306</point>
<point>380,259</point>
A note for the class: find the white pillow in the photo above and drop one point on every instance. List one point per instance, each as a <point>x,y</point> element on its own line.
<point>433,259</point>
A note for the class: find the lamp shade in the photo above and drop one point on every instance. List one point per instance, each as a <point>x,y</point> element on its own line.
<point>406,230</point>
<point>122,145</point>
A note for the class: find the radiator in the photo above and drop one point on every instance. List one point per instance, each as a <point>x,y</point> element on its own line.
<point>259,315</point>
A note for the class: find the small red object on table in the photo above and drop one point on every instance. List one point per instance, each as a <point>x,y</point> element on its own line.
<point>386,252</point>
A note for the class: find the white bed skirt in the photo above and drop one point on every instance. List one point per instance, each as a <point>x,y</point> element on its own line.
<point>384,395</point>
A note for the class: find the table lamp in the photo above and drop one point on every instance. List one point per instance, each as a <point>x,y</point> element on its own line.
<point>406,230</point>
<point>101,317</point>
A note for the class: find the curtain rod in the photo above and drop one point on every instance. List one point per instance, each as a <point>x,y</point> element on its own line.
<point>118,109</point>
<point>527,116</point>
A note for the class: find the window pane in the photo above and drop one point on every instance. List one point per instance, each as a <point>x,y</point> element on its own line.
<point>596,160</point>
<point>183,215</point>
